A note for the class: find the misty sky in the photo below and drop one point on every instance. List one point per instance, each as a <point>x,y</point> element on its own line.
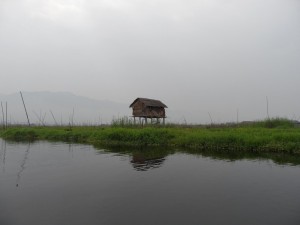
<point>205,56</point>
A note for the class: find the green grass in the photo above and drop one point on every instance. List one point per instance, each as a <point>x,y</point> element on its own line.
<point>270,136</point>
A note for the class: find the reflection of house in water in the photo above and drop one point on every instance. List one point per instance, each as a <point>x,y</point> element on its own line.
<point>144,158</point>
<point>141,162</point>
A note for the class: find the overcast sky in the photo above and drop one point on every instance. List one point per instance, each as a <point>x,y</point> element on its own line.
<point>205,56</point>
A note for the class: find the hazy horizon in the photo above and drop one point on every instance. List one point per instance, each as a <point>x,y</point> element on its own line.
<point>203,57</point>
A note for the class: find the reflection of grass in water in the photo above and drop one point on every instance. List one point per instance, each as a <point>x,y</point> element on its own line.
<point>278,158</point>
<point>150,153</point>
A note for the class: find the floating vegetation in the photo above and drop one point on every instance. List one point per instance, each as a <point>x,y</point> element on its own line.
<point>276,136</point>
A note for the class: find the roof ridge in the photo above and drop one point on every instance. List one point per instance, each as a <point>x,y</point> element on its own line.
<point>150,102</point>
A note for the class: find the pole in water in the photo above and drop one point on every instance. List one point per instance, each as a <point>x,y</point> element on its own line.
<point>5,114</point>
<point>267,107</point>
<point>56,124</point>
<point>3,123</point>
<point>25,108</point>
<point>211,121</point>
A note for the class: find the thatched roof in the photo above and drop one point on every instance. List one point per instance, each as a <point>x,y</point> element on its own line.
<point>149,102</point>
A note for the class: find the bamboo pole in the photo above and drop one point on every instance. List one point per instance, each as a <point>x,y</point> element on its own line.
<point>211,121</point>
<point>72,117</point>
<point>39,118</point>
<point>5,114</point>
<point>3,123</point>
<point>25,108</point>
<point>54,118</point>
<point>267,107</point>
<point>43,119</point>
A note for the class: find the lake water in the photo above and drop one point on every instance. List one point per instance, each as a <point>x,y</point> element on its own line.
<point>47,183</point>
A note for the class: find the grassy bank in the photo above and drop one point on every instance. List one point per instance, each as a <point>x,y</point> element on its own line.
<point>259,137</point>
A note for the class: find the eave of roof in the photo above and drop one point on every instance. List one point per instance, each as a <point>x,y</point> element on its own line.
<point>149,102</point>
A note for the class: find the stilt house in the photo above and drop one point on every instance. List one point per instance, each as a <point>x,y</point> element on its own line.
<point>148,108</point>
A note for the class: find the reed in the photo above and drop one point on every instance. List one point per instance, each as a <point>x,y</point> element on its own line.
<point>124,121</point>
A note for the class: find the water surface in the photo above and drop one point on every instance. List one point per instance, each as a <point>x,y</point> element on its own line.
<point>57,184</point>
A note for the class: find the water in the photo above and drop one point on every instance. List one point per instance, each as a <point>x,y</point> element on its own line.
<point>60,184</point>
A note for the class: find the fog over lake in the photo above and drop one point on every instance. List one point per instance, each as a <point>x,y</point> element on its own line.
<point>199,57</point>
